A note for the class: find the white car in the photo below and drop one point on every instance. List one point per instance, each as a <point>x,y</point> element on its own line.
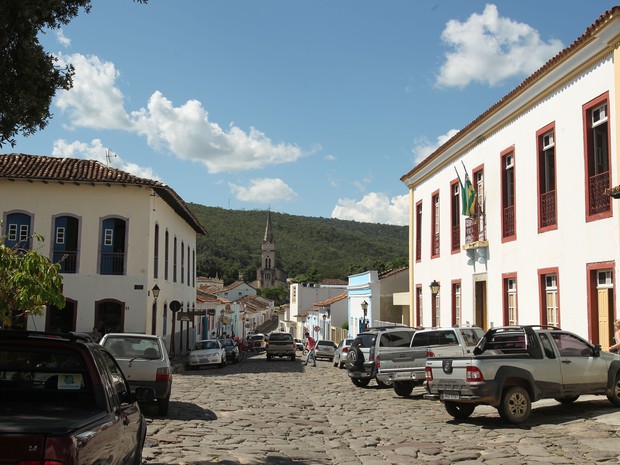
<point>340,355</point>
<point>207,352</point>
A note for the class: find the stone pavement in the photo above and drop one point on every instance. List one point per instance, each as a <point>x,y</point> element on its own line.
<point>280,412</point>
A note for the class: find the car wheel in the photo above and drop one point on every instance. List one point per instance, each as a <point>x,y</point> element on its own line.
<point>384,384</point>
<point>162,406</point>
<point>341,365</point>
<point>335,362</point>
<point>360,382</point>
<point>268,358</point>
<point>459,410</point>
<point>403,388</point>
<point>566,400</point>
<point>293,358</point>
<point>614,397</point>
<point>516,405</point>
<point>223,362</point>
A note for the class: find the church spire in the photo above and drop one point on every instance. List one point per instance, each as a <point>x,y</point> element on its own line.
<point>268,232</point>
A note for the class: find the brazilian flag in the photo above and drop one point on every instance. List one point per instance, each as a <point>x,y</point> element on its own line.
<point>468,196</point>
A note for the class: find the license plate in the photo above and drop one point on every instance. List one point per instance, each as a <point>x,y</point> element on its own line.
<point>450,396</point>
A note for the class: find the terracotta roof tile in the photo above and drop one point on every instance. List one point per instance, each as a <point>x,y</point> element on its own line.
<point>43,168</point>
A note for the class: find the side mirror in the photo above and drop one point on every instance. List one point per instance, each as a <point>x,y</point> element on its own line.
<point>597,350</point>
<point>144,394</point>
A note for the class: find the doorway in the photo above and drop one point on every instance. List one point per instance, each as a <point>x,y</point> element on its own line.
<point>480,304</point>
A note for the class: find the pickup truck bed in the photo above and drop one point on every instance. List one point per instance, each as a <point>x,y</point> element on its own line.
<point>516,365</point>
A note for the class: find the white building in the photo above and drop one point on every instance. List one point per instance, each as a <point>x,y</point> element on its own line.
<point>120,236</point>
<point>303,296</point>
<point>542,246</point>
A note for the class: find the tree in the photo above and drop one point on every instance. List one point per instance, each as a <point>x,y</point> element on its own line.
<point>30,77</point>
<point>28,282</point>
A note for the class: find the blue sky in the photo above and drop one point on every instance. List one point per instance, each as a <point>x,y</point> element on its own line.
<point>308,108</point>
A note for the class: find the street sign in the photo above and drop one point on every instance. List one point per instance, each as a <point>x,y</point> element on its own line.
<point>317,328</point>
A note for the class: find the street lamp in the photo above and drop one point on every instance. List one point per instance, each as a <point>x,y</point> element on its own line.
<point>434,287</point>
<point>364,305</point>
<point>434,291</point>
<point>155,291</point>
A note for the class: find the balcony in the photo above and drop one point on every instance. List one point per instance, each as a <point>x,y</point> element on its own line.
<point>599,202</point>
<point>475,233</point>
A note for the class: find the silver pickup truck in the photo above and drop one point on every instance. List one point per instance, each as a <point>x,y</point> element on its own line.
<point>404,368</point>
<point>513,366</point>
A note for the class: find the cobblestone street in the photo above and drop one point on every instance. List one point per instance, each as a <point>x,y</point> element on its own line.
<point>280,412</point>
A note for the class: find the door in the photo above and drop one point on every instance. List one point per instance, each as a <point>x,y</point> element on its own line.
<point>480,305</point>
<point>582,372</point>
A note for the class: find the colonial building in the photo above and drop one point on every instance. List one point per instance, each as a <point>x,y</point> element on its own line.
<point>268,275</point>
<point>537,241</point>
<point>126,245</point>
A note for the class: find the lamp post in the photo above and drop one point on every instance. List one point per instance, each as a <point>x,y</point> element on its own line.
<point>364,305</point>
<point>155,292</point>
<point>324,325</point>
<point>435,300</point>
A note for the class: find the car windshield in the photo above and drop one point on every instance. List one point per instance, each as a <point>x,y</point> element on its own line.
<point>258,338</point>
<point>364,340</point>
<point>280,337</point>
<point>205,345</point>
<point>133,347</point>
<point>227,342</point>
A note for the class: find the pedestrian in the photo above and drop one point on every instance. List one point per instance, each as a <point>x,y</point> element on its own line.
<point>614,348</point>
<point>96,335</point>
<point>310,345</point>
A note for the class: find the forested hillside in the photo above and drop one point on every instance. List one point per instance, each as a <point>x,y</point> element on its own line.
<point>307,248</point>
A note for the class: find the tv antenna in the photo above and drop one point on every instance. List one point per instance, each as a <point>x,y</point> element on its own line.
<point>108,157</point>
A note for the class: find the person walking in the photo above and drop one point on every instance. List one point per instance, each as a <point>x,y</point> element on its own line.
<point>310,345</point>
<point>616,346</point>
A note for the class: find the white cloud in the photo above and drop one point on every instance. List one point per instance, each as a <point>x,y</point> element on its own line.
<point>264,190</point>
<point>62,39</point>
<point>423,147</point>
<point>96,151</point>
<point>488,49</point>
<point>96,102</point>
<point>375,207</point>
<point>187,132</point>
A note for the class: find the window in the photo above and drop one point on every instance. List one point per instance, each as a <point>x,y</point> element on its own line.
<point>418,232</point>
<point>113,246</point>
<point>435,226</point>
<point>182,261</point>
<point>455,216</point>
<point>66,241</point>
<point>510,300</point>
<point>156,252</point>
<point>18,230</point>
<point>166,254</point>
<point>456,303</point>
<point>174,261</point>
<point>418,305</point>
<point>475,228</point>
<point>550,303</point>
<point>596,128</point>
<point>189,268</point>
<point>508,195</point>
<point>547,203</point>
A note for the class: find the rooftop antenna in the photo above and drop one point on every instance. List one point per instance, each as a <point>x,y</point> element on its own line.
<point>108,157</point>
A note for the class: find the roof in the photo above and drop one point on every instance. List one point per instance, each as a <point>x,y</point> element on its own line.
<point>15,166</point>
<point>388,273</point>
<point>331,300</point>
<point>232,286</point>
<point>563,55</point>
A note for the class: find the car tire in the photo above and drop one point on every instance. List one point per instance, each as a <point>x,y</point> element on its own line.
<point>162,406</point>
<point>566,400</point>
<point>293,358</point>
<point>360,382</point>
<point>268,358</point>
<point>614,397</point>
<point>459,410</point>
<point>403,388</point>
<point>384,384</point>
<point>222,362</point>
<point>516,405</point>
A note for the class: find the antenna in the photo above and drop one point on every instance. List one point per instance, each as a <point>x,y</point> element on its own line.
<point>108,157</point>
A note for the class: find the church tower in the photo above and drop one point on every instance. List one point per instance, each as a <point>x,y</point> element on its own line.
<point>268,275</point>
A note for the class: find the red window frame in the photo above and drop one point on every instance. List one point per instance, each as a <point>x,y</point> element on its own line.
<point>435,243</point>
<point>418,232</point>
<point>456,282</point>
<point>505,278</point>
<point>547,198</point>
<point>509,220</point>
<point>542,287</point>
<point>455,217</point>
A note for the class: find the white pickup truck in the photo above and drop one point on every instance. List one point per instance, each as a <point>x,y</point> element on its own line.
<point>513,366</point>
<point>404,368</point>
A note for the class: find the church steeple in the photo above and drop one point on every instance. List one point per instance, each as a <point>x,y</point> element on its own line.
<point>268,232</point>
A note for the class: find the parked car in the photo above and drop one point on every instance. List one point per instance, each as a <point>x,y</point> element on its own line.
<point>325,349</point>
<point>145,363</point>
<point>207,352</point>
<point>299,344</point>
<point>65,400</point>
<point>259,342</point>
<point>340,355</point>
<point>232,350</point>
<point>367,347</point>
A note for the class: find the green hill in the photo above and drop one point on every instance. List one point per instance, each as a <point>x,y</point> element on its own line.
<point>309,248</point>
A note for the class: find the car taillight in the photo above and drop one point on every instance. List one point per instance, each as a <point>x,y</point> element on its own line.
<point>266,344</point>
<point>163,374</point>
<point>428,372</point>
<point>378,361</point>
<point>345,350</point>
<point>473,374</point>
<point>430,353</point>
